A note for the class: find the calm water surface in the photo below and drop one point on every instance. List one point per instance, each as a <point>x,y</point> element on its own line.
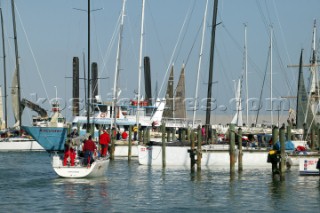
<point>28,184</point>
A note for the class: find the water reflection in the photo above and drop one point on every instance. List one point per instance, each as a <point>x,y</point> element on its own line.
<point>83,189</point>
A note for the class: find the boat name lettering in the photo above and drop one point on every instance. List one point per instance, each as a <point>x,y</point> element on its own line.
<point>47,130</point>
<point>311,162</point>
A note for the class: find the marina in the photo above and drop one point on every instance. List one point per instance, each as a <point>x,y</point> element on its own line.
<point>117,141</point>
<point>130,187</point>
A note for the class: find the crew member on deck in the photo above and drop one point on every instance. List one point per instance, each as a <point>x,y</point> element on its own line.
<point>124,135</point>
<point>104,141</point>
<point>74,133</point>
<point>88,149</point>
<point>69,152</point>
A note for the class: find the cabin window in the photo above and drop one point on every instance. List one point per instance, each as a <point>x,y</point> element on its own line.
<point>60,120</point>
<point>103,108</point>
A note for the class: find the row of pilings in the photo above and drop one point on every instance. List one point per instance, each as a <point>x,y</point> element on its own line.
<point>196,140</point>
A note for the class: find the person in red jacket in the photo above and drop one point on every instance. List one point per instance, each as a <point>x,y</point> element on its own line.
<point>124,135</point>
<point>88,149</point>
<point>69,152</point>
<point>104,141</point>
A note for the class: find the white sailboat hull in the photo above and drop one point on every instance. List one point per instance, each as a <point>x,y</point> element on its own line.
<point>122,151</point>
<point>179,156</point>
<point>308,166</point>
<point>20,145</point>
<point>97,169</point>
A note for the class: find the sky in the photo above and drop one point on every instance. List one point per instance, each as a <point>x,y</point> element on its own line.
<point>51,33</point>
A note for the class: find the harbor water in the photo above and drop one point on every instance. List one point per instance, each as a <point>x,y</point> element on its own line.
<point>29,184</point>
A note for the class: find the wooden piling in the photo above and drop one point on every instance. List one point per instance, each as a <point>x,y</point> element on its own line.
<point>240,166</point>
<point>210,136</point>
<point>130,143</point>
<point>282,153</point>
<point>214,136</point>
<point>183,135</point>
<point>275,135</point>
<point>163,130</point>
<point>168,130</point>
<point>305,131</point>
<point>145,135</point>
<point>113,137</point>
<point>174,134</point>
<point>318,136</point>
<point>188,134</point>
<point>313,138</point>
<point>148,135</point>
<point>199,151</point>
<point>274,163</point>
<point>289,135</point>
<point>192,152</point>
<point>232,148</point>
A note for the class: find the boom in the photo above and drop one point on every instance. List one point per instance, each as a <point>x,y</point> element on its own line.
<point>35,107</point>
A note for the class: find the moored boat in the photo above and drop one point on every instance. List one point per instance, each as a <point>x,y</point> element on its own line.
<point>79,170</point>
<point>309,166</point>
<point>212,155</point>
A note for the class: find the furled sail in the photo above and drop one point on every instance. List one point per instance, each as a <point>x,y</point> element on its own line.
<point>168,111</point>
<point>14,97</point>
<point>179,100</point>
<point>237,119</point>
<point>304,113</point>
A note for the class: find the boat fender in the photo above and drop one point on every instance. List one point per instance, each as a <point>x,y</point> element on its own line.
<point>289,162</point>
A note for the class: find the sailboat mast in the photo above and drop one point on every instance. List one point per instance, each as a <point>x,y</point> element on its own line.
<point>271,105</point>
<point>199,65</point>
<point>140,60</point>
<point>84,77</point>
<point>17,60</point>
<point>246,72</point>
<point>213,34</point>
<point>4,71</point>
<point>88,81</point>
<point>117,71</point>
<point>315,67</point>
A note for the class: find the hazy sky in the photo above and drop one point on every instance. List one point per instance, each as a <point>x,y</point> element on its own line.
<point>51,33</point>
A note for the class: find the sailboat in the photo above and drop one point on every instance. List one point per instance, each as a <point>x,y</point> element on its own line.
<point>11,139</point>
<point>78,168</point>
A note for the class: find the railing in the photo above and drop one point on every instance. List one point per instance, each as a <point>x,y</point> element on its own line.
<point>181,122</point>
